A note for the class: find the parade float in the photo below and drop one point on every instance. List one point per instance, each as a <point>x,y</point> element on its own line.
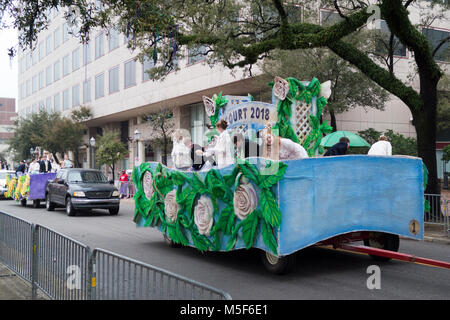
<point>281,207</point>
<point>29,187</point>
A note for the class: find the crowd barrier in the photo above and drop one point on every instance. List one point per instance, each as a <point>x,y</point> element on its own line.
<point>65,269</point>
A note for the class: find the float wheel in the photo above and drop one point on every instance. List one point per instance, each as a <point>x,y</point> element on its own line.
<point>278,265</point>
<point>382,240</point>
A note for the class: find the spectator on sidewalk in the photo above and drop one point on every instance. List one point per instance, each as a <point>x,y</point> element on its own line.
<point>123,180</point>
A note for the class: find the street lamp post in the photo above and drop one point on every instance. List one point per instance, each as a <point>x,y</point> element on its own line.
<point>137,137</point>
<point>92,143</point>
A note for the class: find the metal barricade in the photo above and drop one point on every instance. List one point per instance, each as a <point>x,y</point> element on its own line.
<point>439,212</point>
<point>16,246</point>
<point>65,269</point>
<point>61,266</point>
<point>116,277</point>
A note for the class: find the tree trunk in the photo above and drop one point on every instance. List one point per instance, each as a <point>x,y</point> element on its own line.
<point>164,156</point>
<point>425,123</point>
<point>333,120</point>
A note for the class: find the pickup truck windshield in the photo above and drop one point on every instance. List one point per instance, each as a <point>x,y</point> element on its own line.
<point>87,177</point>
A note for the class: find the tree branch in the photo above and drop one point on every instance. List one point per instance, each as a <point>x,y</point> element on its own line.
<point>440,45</point>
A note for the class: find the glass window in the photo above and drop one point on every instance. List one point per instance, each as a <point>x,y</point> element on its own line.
<point>87,91</point>
<point>56,38</point>
<point>35,107</point>
<point>34,57</point>
<point>35,84</point>
<point>48,75</point>
<point>328,18</point>
<point>41,50</point>
<point>75,95</point>
<point>196,54</point>
<point>198,121</point>
<point>48,45</point>
<point>56,102</point>
<point>41,80</point>
<point>99,46</point>
<point>294,13</point>
<point>28,61</point>
<point>435,37</point>
<point>65,32</point>
<point>56,71</point>
<point>130,73</point>
<point>48,104</point>
<point>146,66</point>
<point>113,39</point>
<point>87,57</point>
<point>114,80</point>
<point>66,99</point>
<point>28,87</point>
<point>100,86</point>
<point>383,42</point>
<point>66,65</point>
<point>76,59</point>
<point>41,105</point>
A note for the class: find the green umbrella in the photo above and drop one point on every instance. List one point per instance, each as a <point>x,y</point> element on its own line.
<point>333,138</point>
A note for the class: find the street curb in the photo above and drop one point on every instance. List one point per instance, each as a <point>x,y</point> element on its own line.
<point>430,239</point>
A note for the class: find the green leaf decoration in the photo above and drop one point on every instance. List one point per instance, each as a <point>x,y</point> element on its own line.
<point>249,229</point>
<point>269,208</point>
<point>269,237</point>
<point>267,181</point>
<point>220,189</point>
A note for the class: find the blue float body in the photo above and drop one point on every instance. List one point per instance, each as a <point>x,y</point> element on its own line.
<point>323,197</point>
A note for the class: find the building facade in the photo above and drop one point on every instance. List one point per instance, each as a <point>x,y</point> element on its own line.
<point>61,74</point>
<point>7,116</point>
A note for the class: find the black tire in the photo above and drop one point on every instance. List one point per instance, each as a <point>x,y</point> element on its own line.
<point>170,243</point>
<point>49,206</point>
<point>114,211</point>
<point>70,211</point>
<point>278,265</point>
<point>23,202</point>
<point>385,241</point>
<point>36,204</point>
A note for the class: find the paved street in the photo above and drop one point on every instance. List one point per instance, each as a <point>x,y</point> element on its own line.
<point>319,274</point>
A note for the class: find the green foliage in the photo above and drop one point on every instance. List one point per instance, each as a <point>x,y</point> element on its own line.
<point>109,149</point>
<point>446,153</point>
<point>401,145</point>
<point>219,188</point>
<point>49,131</point>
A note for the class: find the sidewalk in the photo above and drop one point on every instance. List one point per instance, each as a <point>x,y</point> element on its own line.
<point>13,287</point>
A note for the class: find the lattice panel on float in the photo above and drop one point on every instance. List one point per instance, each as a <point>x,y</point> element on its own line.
<point>300,119</point>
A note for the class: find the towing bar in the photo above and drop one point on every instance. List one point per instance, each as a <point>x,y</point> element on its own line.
<point>394,255</point>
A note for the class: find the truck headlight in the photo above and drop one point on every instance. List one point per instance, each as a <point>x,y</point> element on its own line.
<point>78,194</point>
<point>115,193</point>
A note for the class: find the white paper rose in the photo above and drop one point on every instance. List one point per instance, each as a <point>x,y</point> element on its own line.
<point>325,89</point>
<point>280,88</point>
<point>147,185</point>
<point>245,200</point>
<point>210,106</point>
<point>171,206</point>
<point>203,215</point>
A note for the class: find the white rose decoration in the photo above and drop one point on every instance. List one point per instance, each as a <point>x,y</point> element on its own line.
<point>245,200</point>
<point>280,88</point>
<point>203,215</point>
<point>147,185</point>
<point>210,106</point>
<point>325,89</point>
<point>171,206</point>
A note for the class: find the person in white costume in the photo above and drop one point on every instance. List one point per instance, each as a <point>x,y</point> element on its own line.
<point>381,148</point>
<point>181,154</point>
<point>223,148</point>
<point>277,148</point>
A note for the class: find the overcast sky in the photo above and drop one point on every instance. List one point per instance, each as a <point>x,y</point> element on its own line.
<point>8,68</point>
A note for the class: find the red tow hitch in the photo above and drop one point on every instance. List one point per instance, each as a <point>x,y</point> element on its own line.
<point>393,255</point>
